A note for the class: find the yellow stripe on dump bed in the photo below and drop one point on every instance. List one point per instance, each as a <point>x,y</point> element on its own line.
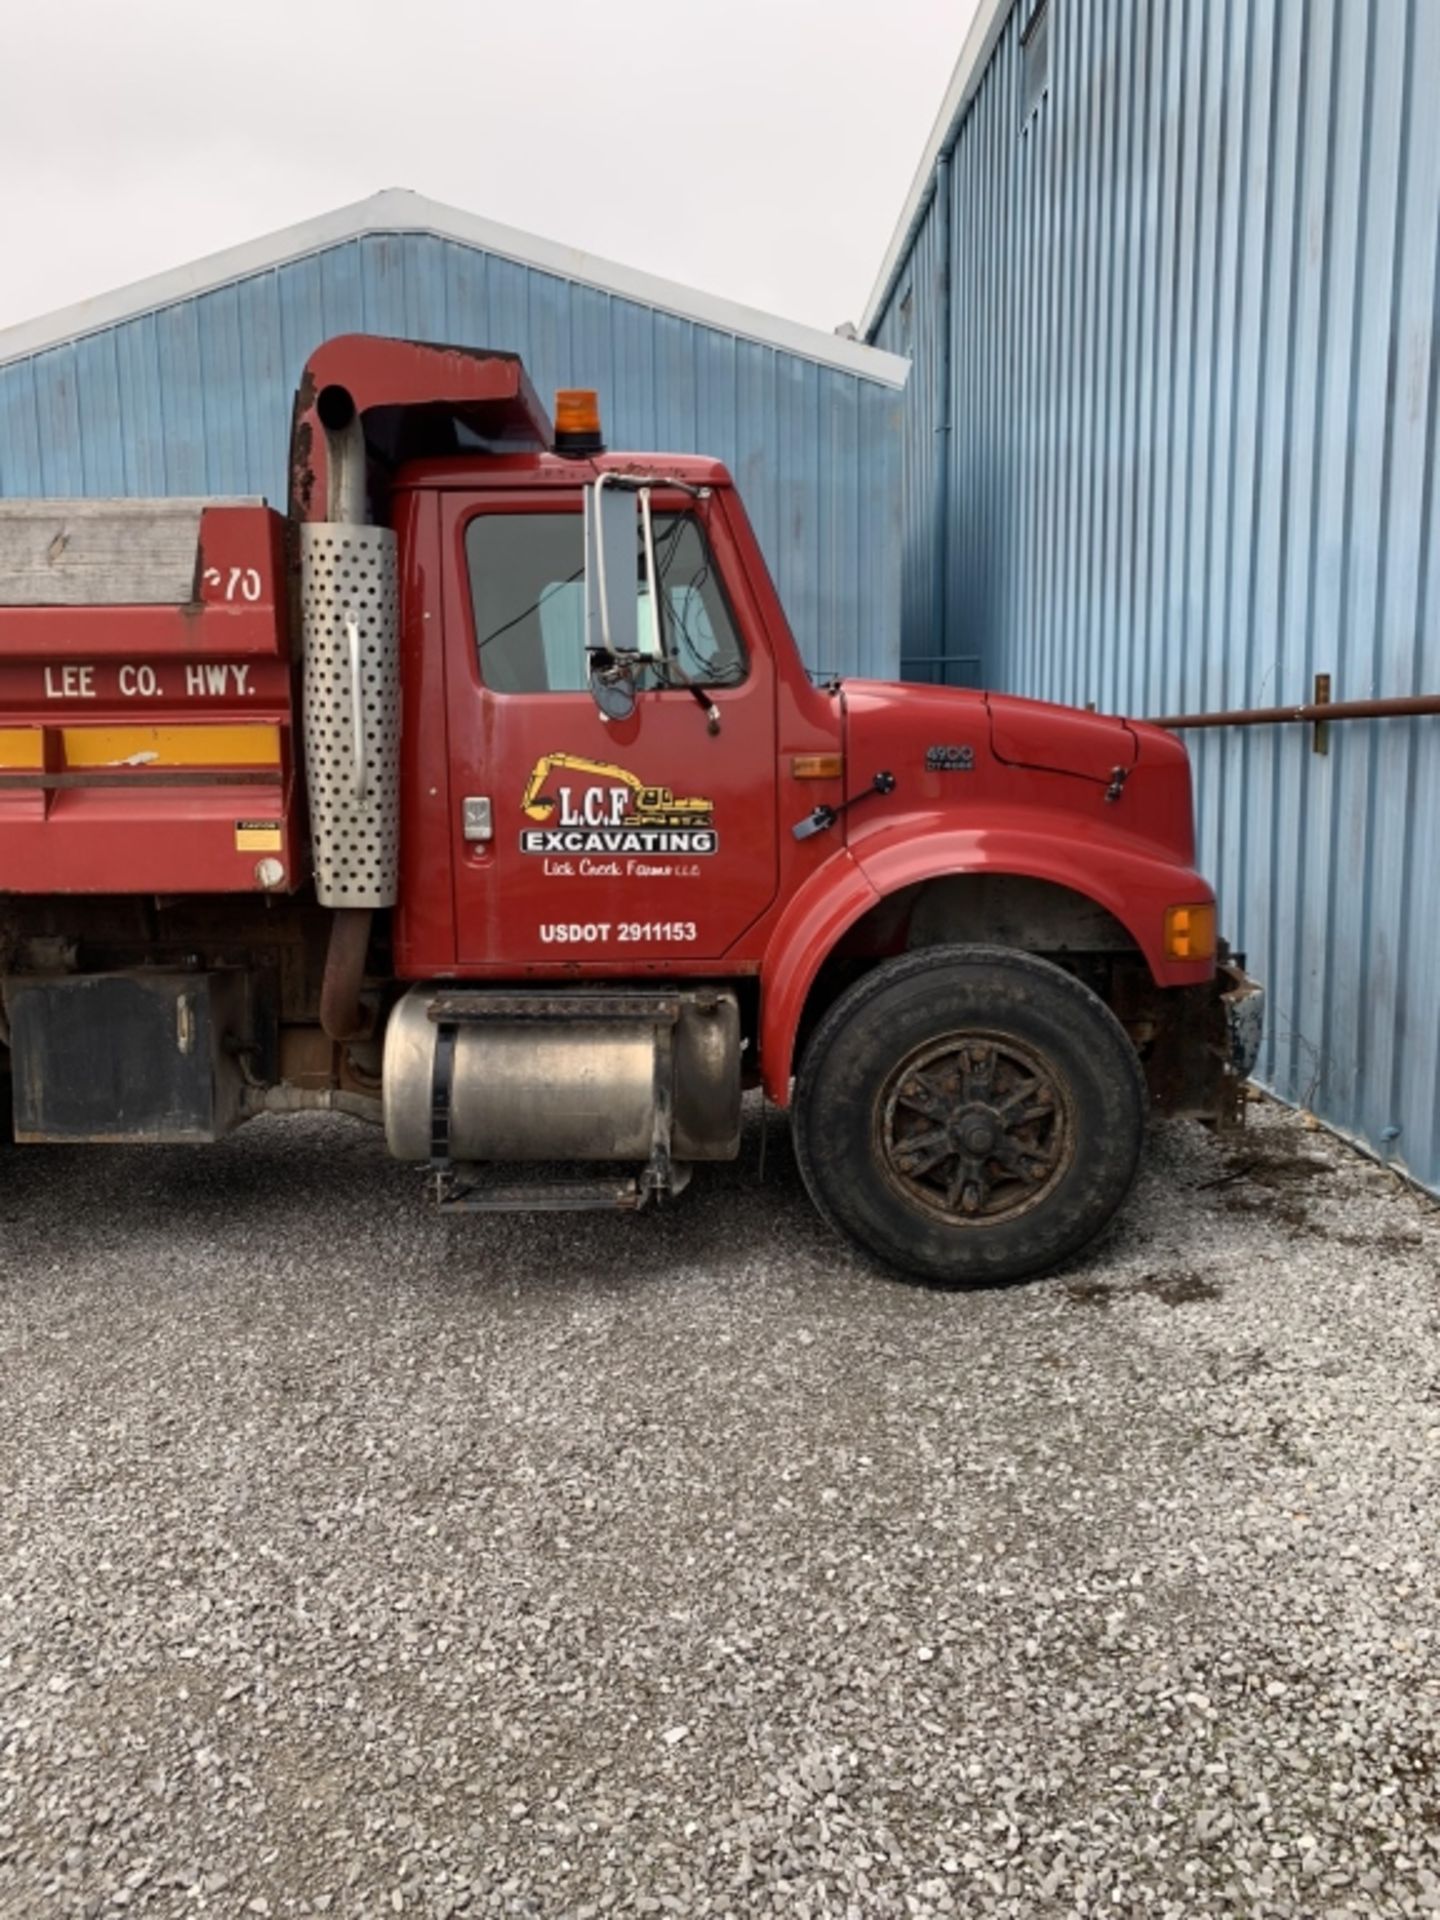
<point>21,749</point>
<point>179,746</point>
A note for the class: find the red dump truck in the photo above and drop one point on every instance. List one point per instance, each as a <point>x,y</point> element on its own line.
<point>485,795</point>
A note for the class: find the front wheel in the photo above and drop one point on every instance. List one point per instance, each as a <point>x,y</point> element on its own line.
<point>969,1114</point>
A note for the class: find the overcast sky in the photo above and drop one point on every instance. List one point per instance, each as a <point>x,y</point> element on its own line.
<point>760,149</point>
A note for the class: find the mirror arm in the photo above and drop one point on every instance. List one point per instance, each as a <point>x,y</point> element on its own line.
<point>706,705</point>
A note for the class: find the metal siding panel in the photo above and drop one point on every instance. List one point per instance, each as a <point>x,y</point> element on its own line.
<point>464,294</point>
<point>924,433</point>
<point>1115,342</point>
<point>182,398</point>
<point>836,600</point>
<point>142,408</point>
<point>757,467</point>
<point>1360,945</point>
<point>224,393</point>
<point>634,411</point>
<point>307,317</point>
<point>61,469</point>
<point>716,394</point>
<point>508,302</point>
<point>382,272</point>
<point>1070,46</point>
<point>547,332</point>
<point>1140,436</point>
<point>674,381</point>
<point>1032,643</point>
<point>423,271</point>
<point>1212,556</point>
<point>794,463</point>
<point>102,449</point>
<point>333,298</point>
<point>1244,867</point>
<point>1193,426</point>
<point>19,428</point>
<point>591,358</point>
<point>1406,895</point>
<point>265,386</point>
<point>864,540</point>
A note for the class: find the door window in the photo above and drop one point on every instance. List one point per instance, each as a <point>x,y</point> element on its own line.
<point>528,593</point>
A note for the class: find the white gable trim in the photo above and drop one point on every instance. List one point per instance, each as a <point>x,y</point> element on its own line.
<point>985,30</point>
<point>396,210</point>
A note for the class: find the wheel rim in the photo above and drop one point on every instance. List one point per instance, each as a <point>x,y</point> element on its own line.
<point>976,1128</point>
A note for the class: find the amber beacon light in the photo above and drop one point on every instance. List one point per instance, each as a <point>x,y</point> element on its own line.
<point>577,421</point>
<point>1190,933</point>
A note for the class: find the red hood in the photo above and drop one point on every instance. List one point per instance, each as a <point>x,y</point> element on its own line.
<point>1033,733</point>
<point>932,737</point>
<point>1021,733</point>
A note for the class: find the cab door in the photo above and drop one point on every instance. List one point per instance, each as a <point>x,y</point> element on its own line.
<point>579,840</point>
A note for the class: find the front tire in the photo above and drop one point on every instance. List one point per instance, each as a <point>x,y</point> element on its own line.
<point>969,1114</point>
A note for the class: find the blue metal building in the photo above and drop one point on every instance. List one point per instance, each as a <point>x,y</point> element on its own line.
<point>1169,275</point>
<point>182,385</point>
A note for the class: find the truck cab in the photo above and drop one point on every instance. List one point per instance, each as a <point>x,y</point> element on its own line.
<point>486,794</point>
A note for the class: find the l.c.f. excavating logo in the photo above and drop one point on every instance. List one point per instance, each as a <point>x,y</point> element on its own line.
<point>608,810</point>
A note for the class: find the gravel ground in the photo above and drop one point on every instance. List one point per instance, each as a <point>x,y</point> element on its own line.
<point>358,1562</point>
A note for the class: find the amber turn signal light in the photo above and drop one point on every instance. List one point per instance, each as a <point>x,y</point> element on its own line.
<point>1190,933</point>
<point>817,766</point>
<point>577,421</point>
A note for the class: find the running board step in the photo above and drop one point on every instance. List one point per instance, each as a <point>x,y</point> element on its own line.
<point>541,1196</point>
<point>456,1194</point>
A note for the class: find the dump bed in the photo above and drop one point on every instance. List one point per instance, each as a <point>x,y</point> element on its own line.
<point>147,699</point>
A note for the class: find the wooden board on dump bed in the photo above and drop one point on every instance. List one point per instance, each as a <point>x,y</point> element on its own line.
<point>113,553</point>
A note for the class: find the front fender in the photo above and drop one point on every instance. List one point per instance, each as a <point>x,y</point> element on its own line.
<point>829,903</point>
<point>1115,870</point>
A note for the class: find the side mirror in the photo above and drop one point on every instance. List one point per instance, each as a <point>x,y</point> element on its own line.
<point>612,615</point>
<point>612,690</point>
<point>612,620</point>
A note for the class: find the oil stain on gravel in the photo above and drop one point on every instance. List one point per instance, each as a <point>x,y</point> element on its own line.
<point>358,1562</point>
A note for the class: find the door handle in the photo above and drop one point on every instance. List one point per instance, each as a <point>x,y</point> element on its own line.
<point>478,823</point>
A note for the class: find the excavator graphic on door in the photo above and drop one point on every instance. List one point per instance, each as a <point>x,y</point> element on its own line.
<point>630,801</point>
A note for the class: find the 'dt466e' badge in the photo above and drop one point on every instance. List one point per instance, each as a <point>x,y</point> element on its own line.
<point>607,809</point>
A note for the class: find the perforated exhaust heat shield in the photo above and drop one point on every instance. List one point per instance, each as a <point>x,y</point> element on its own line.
<point>351,628</point>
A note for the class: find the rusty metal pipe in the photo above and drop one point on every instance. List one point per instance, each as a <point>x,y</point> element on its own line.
<point>341,1014</point>
<point>345,492</point>
<point>1397,707</point>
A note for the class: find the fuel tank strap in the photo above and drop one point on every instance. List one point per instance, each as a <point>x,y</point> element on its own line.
<point>441,1084</point>
<point>463,1009</point>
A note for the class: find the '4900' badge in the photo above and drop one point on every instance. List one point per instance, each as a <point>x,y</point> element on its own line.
<point>949,759</point>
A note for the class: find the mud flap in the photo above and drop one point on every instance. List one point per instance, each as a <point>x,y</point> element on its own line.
<point>1198,1045</point>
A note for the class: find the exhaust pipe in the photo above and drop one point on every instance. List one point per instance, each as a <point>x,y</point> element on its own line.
<point>346,493</point>
<point>342,1017</point>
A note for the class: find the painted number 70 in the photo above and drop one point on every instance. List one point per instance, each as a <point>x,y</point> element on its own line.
<point>240,583</point>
